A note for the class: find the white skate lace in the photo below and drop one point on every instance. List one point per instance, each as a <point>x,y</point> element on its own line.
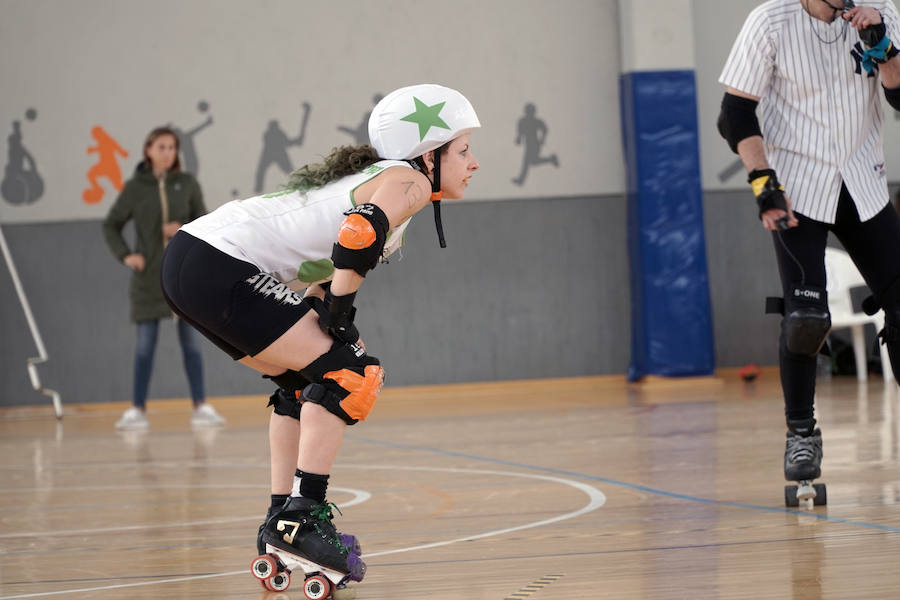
<point>802,449</point>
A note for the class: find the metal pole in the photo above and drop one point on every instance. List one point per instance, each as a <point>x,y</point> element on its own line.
<point>42,352</point>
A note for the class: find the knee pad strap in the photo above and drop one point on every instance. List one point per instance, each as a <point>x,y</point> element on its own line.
<point>286,403</point>
<point>286,400</point>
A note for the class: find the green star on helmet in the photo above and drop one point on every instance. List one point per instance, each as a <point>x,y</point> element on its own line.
<point>426,117</point>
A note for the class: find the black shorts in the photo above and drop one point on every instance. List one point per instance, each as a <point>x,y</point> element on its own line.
<point>230,301</point>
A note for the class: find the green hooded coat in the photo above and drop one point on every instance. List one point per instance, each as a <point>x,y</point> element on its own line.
<point>140,201</point>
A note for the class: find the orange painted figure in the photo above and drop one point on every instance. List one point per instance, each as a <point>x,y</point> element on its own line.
<point>107,166</point>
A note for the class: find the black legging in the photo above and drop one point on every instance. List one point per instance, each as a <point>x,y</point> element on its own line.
<point>874,246</point>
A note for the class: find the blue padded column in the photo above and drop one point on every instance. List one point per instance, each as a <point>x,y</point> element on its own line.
<point>671,317</point>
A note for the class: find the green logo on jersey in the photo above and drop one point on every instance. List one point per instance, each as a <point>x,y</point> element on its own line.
<point>426,117</point>
<point>372,169</point>
<point>315,270</point>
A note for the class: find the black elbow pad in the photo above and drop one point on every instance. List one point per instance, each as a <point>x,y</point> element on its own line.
<point>737,120</point>
<point>893,97</point>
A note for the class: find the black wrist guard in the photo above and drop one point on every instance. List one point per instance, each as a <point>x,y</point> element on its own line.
<point>338,320</point>
<point>769,193</point>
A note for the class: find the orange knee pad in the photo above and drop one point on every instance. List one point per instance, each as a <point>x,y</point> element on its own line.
<point>346,382</point>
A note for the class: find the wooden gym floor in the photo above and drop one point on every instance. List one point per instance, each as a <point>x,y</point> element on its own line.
<point>571,488</point>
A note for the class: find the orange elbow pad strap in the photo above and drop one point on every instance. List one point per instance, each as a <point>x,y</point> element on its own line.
<point>346,382</point>
<point>361,239</point>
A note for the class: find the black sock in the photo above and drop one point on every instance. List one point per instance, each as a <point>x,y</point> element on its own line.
<point>313,485</point>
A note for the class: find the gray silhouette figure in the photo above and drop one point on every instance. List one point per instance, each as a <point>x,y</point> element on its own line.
<point>186,140</point>
<point>360,133</point>
<point>22,184</point>
<point>533,132</point>
<point>275,148</point>
<point>731,170</point>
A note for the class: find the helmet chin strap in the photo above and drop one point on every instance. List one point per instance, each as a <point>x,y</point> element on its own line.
<point>436,195</point>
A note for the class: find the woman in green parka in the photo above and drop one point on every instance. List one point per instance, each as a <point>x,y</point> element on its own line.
<point>159,198</point>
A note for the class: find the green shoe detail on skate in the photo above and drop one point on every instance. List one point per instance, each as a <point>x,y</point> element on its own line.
<point>323,514</point>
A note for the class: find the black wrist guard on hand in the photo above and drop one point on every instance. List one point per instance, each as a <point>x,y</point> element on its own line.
<point>338,319</point>
<point>769,193</point>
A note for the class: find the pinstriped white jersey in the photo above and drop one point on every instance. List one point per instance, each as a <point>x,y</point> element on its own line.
<point>819,111</point>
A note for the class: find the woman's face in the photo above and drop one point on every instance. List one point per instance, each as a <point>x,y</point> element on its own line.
<point>162,153</point>
<point>457,166</point>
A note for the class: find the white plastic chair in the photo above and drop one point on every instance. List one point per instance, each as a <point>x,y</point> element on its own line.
<point>841,275</point>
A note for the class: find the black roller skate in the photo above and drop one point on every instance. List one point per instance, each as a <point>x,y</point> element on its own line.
<point>803,464</point>
<point>301,536</point>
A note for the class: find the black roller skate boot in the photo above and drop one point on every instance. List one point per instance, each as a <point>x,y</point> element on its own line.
<point>347,539</point>
<point>300,538</point>
<point>803,464</point>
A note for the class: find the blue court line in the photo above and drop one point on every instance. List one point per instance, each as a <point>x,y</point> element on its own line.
<point>631,486</point>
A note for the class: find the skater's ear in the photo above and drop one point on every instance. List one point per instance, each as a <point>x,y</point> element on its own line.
<point>428,159</point>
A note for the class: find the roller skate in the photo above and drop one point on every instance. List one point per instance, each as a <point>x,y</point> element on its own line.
<point>300,537</point>
<point>803,464</point>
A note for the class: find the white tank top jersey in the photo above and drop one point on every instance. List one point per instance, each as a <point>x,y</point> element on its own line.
<point>819,111</point>
<point>290,234</point>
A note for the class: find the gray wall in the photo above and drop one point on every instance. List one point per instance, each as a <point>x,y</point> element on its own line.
<point>525,289</point>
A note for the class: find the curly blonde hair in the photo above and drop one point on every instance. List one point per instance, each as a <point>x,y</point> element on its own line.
<point>343,161</point>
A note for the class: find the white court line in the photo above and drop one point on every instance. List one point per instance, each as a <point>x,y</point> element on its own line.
<point>359,496</point>
<point>596,500</point>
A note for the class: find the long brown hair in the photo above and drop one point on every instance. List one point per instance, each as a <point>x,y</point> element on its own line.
<point>152,137</point>
<point>343,161</point>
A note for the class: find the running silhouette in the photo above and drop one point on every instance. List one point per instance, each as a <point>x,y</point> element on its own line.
<point>186,141</point>
<point>107,166</point>
<point>360,133</point>
<point>275,148</point>
<point>21,182</point>
<point>534,132</point>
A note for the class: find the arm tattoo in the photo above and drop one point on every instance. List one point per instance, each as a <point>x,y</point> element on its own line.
<point>412,191</point>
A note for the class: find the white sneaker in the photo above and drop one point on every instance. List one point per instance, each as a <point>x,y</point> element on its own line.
<point>206,416</point>
<point>133,420</point>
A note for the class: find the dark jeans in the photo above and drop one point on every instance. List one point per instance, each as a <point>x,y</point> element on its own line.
<point>147,334</point>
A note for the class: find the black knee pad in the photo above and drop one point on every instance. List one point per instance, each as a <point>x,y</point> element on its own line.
<point>806,321</point>
<point>287,399</point>
<point>345,381</point>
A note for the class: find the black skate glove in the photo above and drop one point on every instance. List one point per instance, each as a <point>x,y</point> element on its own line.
<point>338,318</point>
<point>769,193</point>
<point>879,48</point>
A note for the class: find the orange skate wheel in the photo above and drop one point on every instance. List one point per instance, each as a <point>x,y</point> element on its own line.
<point>316,587</point>
<point>264,566</point>
<point>279,582</point>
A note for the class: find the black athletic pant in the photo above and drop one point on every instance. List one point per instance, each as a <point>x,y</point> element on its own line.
<point>874,246</point>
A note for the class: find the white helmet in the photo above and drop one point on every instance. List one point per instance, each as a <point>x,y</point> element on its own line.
<point>412,120</point>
